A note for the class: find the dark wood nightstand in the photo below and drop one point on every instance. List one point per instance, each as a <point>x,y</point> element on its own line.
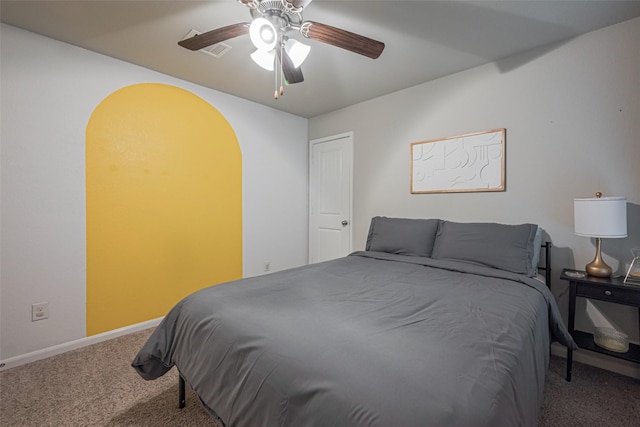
<point>612,290</point>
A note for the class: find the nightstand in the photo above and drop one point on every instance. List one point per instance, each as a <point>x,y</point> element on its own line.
<point>611,290</point>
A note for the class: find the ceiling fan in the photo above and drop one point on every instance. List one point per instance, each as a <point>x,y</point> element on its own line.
<point>275,50</point>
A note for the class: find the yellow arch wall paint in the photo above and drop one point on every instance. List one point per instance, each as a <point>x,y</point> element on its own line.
<point>164,203</point>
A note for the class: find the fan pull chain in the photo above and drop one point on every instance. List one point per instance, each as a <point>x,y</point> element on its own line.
<point>281,69</point>
<point>278,73</point>
<point>275,81</point>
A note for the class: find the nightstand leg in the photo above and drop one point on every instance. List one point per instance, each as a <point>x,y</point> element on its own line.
<point>182,402</point>
<point>572,317</point>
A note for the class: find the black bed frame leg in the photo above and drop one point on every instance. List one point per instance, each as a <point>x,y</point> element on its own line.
<point>181,393</point>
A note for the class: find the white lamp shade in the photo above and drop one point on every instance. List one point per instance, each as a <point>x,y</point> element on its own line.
<point>600,217</point>
<point>263,34</point>
<point>264,59</point>
<point>297,51</point>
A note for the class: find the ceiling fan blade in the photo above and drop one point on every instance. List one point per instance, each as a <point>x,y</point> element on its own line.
<point>215,36</point>
<point>291,74</point>
<point>342,38</point>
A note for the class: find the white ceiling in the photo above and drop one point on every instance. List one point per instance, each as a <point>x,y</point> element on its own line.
<point>424,40</point>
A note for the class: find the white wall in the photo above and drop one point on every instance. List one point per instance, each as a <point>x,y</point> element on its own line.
<point>49,90</point>
<point>572,117</point>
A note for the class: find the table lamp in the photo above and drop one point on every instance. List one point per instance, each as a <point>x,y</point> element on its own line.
<point>600,217</point>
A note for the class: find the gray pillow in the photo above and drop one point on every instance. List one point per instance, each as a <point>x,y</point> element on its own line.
<point>402,236</point>
<point>507,247</point>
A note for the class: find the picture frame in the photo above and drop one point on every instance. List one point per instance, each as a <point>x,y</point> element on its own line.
<point>633,273</point>
<point>473,162</point>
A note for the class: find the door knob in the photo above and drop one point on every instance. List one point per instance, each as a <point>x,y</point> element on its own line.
<point>345,222</point>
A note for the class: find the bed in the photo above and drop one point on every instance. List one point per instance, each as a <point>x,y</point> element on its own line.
<point>436,323</point>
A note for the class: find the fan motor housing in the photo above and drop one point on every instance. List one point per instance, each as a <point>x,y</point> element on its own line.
<point>279,12</point>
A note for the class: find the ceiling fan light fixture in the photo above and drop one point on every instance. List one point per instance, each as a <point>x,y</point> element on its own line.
<point>263,34</point>
<point>271,21</point>
<point>297,51</point>
<point>264,58</point>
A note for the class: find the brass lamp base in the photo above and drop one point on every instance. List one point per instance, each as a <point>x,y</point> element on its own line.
<point>598,267</point>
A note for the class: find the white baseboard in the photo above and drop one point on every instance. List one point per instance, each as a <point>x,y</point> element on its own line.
<point>72,345</point>
<point>591,358</point>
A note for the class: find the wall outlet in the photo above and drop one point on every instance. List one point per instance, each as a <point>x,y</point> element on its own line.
<point>267,266</point>
<point>39,311</point>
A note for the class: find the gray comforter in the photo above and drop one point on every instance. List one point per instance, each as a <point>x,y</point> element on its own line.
<point>372,339</point>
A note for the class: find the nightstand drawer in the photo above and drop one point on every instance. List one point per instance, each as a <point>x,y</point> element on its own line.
<point>609,293</point>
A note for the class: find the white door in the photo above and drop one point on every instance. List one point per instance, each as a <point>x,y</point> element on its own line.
<point>330,183</point>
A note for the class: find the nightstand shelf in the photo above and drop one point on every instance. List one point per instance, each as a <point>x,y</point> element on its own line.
<point>612,290</point>
<point>585,342</point>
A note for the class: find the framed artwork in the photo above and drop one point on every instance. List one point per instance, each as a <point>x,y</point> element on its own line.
<point>459,164</point>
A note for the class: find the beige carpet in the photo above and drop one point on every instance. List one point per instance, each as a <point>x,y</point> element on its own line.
<point>96,386</point>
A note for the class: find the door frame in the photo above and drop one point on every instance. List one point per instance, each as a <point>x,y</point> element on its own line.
<point>349,139</point>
